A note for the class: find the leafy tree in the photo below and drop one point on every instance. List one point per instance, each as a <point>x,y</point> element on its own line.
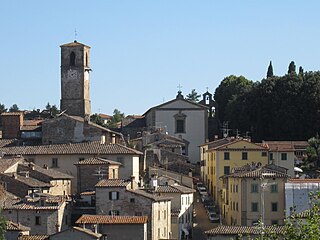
<point>48,106</point>
<point>54,110</point>
<point>2,108</point>
<point>313,154</point>
<point>270,70</point>
<point>3,225</point>
<point>227,93</point>
<point>292,67</point>
<point>96,119</point>
<point>14,108</point>
<point>116,118</point>
<point>193,96</point>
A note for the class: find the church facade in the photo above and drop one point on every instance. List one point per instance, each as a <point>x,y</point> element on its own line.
<point>183,119</point>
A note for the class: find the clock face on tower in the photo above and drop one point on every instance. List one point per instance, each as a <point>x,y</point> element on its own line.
<point>72,74</point>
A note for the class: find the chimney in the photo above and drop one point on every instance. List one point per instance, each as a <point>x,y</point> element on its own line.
<point>103,139</point>
<point>31,166</point>
<point>113,139</point>
<point>45,166</point>
<point>132,182</point>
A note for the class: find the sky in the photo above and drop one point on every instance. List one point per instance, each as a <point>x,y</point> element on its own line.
<point>141,51</point>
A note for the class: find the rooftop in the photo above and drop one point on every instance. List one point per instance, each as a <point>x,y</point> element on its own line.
<point>235,230</point>
<point>107,219</point>
<point>112,183</point>
<point>97,161</point>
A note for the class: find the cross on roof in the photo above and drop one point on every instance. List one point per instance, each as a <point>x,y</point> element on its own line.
<point>179,87</point>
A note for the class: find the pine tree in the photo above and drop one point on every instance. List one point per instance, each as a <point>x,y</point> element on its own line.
<point>270,70</point>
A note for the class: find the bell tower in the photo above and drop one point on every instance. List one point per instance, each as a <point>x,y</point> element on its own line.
<point>75,81</point>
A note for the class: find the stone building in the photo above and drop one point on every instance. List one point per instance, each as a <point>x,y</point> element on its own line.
<point>15,230</point>
<point>76,233</point>
<point>62,157</point>
<point>90,171</point>
<point>120,197</point>
<point>11,124</point>
<point>116,227</point>
<point>43,214</point>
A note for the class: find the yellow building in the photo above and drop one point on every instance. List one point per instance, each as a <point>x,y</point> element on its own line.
<point>252,193</point>
<point>219,157</point>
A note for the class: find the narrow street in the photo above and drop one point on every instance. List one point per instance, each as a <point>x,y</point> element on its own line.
<point>201,220</point>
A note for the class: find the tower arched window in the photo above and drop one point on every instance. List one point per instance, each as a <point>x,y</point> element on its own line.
<point>72,59</point>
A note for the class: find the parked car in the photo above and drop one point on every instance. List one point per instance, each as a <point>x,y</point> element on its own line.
<point>214,217</point>
<point>211,209</point>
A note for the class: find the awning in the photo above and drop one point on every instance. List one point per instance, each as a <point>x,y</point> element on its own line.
<point>296,169</point>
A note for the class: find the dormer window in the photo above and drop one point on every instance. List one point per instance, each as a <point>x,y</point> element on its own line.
<point>72,59</point>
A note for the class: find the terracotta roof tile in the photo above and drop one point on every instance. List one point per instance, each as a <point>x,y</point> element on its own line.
<point>88,193</point>
<point>87,231</point>
<point>33,237</point>
<point>174,189</point>
<point>112,183</point>
<point>12,226</point>
<point>31,182</point>
<point>24,206</point>
<point>94,147</point>
<point>97,161</point>
<point>106,219</point>
<point>307,180</point>
<point>235,230</point>
<point>11,113</point>
<point>154,197</point>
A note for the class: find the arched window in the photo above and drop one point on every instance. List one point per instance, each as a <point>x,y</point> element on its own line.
<point>72,59</point>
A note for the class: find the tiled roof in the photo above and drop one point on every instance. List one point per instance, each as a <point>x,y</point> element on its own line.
<point>235,230</point>
<point>94,148</point>
<point>12,226</point>
<point>145,194</point>
<point>106,219</point>
<point>33,237</point>
<point>7,162</point>
<point>97,161</point>
<point>88,193</point>
<point>29,181</point>
<point>6,142</point>
<point>42,173</point>
<point>24,206</point>
<point>87,231</point>
<point>268,171</point>
<point>287,145</point>
<point>11,113</point>
<point>174,189</point>
<point>74,44</point>
<point>30,128</point>
<point>218,142</point>
<point>307,180</point>
<point>112,183</point>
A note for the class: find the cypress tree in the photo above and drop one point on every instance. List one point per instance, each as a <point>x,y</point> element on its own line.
<point>292,68</point>
<point>270,70</point>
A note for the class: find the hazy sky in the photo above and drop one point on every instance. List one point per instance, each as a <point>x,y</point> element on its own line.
<point>142,50</point>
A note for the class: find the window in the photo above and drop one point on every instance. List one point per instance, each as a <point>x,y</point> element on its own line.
<point>81,159</point>
<point>226,170</point>
<point>164,214</point>
<point>264,154</point>
<point>180,126</point>
<point>113,195</point>
<point>159,215</point>
<point>132,200</point>
<point>244,155</point>
<point>54,162</point>
<point>138,213</point>
<point>237,188</point>
<point>274,188</point>
<point>271,156</point>
<point>274,207</point>
<point>226,156</point>
<point>38,220</point>
<point>274,222</point>
<point>158,232</point>
<point>254,207</point>
<point>72,59</point>
<point>237,206</point>
<point>283,156</point>
<point>254,188</point>
<point>180,120</point>
<point>114,213</point>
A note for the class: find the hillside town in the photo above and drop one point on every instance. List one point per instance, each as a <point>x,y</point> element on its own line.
<point>174,172</point>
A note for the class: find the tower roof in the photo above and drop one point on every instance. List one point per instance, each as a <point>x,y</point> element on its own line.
<point>74,44</point>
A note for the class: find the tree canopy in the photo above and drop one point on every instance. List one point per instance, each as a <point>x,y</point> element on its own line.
<point>276,108</point>
<point>14,108</point>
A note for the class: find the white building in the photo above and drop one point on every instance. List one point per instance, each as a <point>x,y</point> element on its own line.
<point>297,193</point>
<point>183,119</point>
